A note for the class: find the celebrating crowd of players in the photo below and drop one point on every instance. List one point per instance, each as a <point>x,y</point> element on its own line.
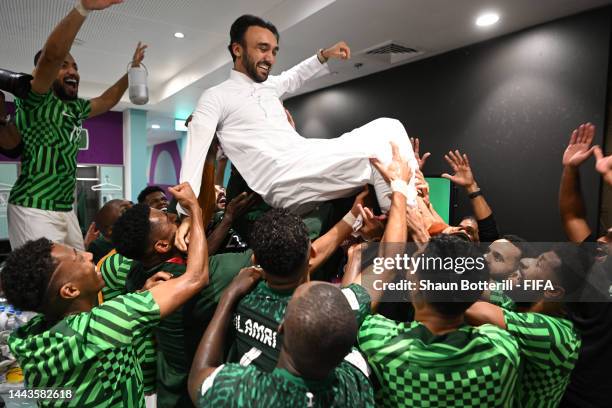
<point>169,305</point>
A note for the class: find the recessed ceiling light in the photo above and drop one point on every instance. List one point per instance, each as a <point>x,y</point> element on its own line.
<point>487,19</point>
<point>155,126</point>
<point>179,35</point>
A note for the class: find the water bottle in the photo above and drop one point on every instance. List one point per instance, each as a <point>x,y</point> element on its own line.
<point>137,78</point>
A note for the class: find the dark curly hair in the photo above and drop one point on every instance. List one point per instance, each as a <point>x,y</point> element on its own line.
<point>148,190</point>
<point>441,248</point>
<point>130,234</point>
<point>280,242</point>
<point>26,274</point>
<point>241,25</point>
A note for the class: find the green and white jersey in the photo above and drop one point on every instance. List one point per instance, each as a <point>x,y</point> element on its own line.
<point>549,348</point>
<point>233,385</point>
<point>178,335</point>
<point>258,315</point>
<point>50,129</point>
<point>469,367</point>
<point>91,353</point>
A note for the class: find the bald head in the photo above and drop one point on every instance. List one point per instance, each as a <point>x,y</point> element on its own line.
<point>319,328</point>
<point>109,214</point>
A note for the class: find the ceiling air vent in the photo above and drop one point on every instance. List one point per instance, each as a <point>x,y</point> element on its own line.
<point>392,52</point>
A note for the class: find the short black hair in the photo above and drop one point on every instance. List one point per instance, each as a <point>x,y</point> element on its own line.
<point>280,242</point>
<point>241,25</point>
<point>451,303</point>
<point>26,274</point>
<point>131,232</point>
<point>142,196</point>
<point>527,250</point>
<point>320,327</point>
<point>573,271</point>
<point>37,57</point>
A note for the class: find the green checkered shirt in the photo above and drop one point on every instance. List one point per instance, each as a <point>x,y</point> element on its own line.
<point>50,129</point>
<point>259,314</point>
<point>469,367</point>
<point>92,353</point>
<point>114,270</point>
<point>233,385</point>
<point>549,348</point>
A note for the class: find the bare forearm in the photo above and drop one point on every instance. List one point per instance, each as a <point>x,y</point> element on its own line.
<point>61,38</point>
<point>217,236</point>
<point>396,230</point>
<point>480,207</point>
<point>571,205</point>
<point>209,354</point>
<point>327,244</point>
<point>109,98</point>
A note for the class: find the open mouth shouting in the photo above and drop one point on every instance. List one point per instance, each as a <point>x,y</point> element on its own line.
<point>71,84</point>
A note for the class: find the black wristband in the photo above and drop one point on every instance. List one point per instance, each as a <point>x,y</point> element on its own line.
<point>475,194</point>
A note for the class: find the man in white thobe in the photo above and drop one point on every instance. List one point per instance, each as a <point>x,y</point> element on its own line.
<point>286,169</point>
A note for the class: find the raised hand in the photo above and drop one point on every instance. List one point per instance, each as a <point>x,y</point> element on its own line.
<point>603,164</point>
<point>415,147</point>
<point>242,284</point>
<point>159,277</point>
<point>91,235</point>
<point>339,50</point>
<point>461,167</point>
<point>139,54</point>
<point>99,4</point>
<point>240,204</point>
<point>184,194</point>
<point>398,169</point>
<point>372,227</point>
<point>579,148</point>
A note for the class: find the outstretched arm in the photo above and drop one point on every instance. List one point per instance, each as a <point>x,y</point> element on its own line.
<point>326,245</point>
<point>571,203</point>
<point>112,95</point>
<point>209,355</point>
<point>603,165</point>
<point>59,42</point>
<point>201,131</point>
<point>464,177</point>
<point>292,79</point>
<point>173,293</point>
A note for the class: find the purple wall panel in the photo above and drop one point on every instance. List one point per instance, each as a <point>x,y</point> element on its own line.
<point>105,139</point>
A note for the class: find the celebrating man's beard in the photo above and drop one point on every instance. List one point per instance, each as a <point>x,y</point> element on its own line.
<point>60,88</point>
<point>254,72</point>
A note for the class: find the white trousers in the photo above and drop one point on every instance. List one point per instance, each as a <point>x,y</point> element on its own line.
<point>25,224</point>
<point>325,169</point>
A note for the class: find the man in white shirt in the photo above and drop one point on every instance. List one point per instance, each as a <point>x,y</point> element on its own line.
<point>287,170</point>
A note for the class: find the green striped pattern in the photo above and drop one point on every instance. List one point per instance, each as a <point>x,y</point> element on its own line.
<point>469,367</point>
<point>237,386</point>
<point>549,350</point>
<point>92,353</point>
<point>50,129</point>
<point>499,298</point>
<point>114,270</point>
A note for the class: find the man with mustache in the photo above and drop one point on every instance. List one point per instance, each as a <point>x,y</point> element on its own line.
<point>249,120</point>
<point>50,122</point>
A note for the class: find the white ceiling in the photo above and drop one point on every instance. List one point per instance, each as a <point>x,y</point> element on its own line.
<point>180,69</point>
